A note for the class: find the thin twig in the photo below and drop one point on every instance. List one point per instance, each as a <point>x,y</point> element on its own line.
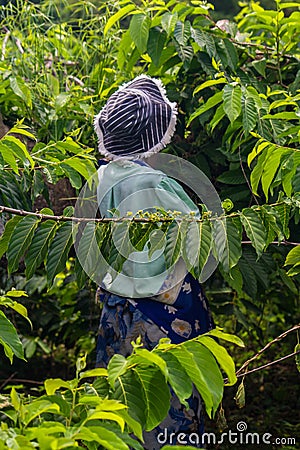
<point>7,380</point>
<point>266,347</point>
<point>76,80</point>
<point>18,380</point>
<point>5,40</point>
<point>274,243</point>
<point>265,366</point>
<point>19,45</point>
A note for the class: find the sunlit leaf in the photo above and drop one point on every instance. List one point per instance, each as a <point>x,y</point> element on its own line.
<point>10,339</point>
<point>117,16</point>
<point>139,30</point>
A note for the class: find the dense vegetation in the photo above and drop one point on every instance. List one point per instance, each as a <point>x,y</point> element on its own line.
<point>237,85</point>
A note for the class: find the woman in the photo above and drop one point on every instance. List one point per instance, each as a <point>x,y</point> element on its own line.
<point>145,299</point>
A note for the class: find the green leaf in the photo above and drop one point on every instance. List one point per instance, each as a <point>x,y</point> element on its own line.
<point>156,392</point>
<point>98,372</point>
<point>177,377</point>
<point>36,408</point>
<point>231,54</point>
<point>218,116</point>
<point>53,384</point>
<point>143,355</point>
<point>282,116</point>
<point>21,90</point>
<point>22,129</point>
<point>255,229</point>
<point>104,415</point>
<point>209,83</point>
<point>271,165</point>
<point>39,246</point>
<point>136,429</point>
<point>185,53</point>
<point>73,175</point>
<point>172,250</point>
<point>288,172</point>
<point>116,367</point>
<point>20,240</point>
<point>15,399</point>
<point>227,243</point>
<point>233,176</point>
<point>139,31</point>
<point>197,245</point>
<point>259,147</point>
<point>156,44</point>
<point>188,361</point>
<point>211,102</point>
<point>222,356</point>
<point>140,232</point>
<point>122,247</point>
<point>18,147</point>
<point>85,168</point>
<point>61,100</point>
<point>88,252</point>
<point>9,157</point>
<point>211,380</point>
<point>129,391</point>
<point>117,16</point>
<point>6,236</point>
<point>249,114</point>
<point>157,240</point>
<point>59,251</point>
<point>125,45</point>
<point>10,339</point>
<point>272,224</point>
<point>284,212</point>
<point>16,293</point>
<point>260,66</point>
<point>106,438</point>
<point>182,32</point>
<point>168,22</point>
<point>218,333</point>
<point>205,41</point>
<point>18,307</point>
<point>232,96</point>
<point>257,172</point>
<point>293,257</point>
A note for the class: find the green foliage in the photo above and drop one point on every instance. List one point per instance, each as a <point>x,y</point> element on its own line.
<point>132,394</point>
<point>237,88</point>
<point>8,334</point>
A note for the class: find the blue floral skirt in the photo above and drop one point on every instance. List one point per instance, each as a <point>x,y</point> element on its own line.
<point>124,320</point>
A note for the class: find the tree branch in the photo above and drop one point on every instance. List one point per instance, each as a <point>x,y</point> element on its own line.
<point>266,347</point>
<point>265,366</point>
<point>22,212</point>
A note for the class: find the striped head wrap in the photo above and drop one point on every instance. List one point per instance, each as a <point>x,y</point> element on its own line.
<point>137,120</point>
